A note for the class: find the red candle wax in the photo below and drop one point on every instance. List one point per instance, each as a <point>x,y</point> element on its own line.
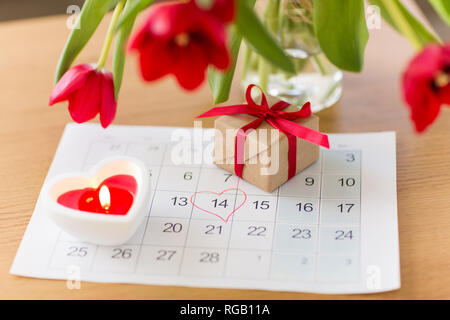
<point>114,195</point>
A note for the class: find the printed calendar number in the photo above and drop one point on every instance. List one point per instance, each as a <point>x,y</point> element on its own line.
<point>350,157</point>
<point>298,210</point>
<point>203,262</point>
<point>72,253</point>
<point>209,257</point>
<point>257,231</point>
<point>220,203</point>
<point>179,201</point>
<point>345,207</point>
<point>303,185</point>
<point>166,232</point>
<point>178,179</point>
<point>173,227</point>
<point>212,229</point>
<point>340,161</point>
<point>207,233</point>
<point>341,187</point>
<point>347,182</point>
<point>295,238</point>
<point>119,253</point>
<point>158,260</point>
<point>338,268</point>
<point>216,179</point>
<point>301,233</point>
<point>248,264</point>
<point>309,181</point>
<point>153,148</point>
<point>263,205</point>
<point>165,255</point>
<point>289,266</point>
<point>256,208</point>
<point>340,213</point>
<point>115,259</point>
<point>251,235</point>
<point>227,176</point>
<point>77,251</point>
<point>344,235</point>
<point>339,240</point>
<point>305,207</point>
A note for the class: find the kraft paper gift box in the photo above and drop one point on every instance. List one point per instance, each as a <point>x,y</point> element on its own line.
<point>266,166</point>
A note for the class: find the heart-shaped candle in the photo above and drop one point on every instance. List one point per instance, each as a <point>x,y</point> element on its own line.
<point>114,195</point>
<point>105,206</point>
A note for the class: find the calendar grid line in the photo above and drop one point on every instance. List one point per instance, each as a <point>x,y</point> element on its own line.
<point>274,223</point>
<point>319,212</point>
<point>283,222</point>
<point>148,217</point>
<point>231,229</point>
<point>275,231</point>
<point>91,265</point>
<point>83,163</point>
<point>360,210</point>
<point>189,224</point>
<point>291,252</point>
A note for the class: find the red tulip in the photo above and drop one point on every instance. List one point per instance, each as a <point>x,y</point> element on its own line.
<point>181,39</point>
<point>426,84</point>
<point>89,92</point>
<point>223,9</point>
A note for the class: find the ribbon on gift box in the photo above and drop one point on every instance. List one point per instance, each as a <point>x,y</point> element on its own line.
<point>278,119</point>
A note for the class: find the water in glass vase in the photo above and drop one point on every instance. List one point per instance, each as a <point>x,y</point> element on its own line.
<point>315,80</point>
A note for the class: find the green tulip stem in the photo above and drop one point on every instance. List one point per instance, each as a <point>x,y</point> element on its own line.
<point>247,60</point>
<point>317,58</point>
<point>402,24</point>
<point>110,34</point>
<point>271,21</point>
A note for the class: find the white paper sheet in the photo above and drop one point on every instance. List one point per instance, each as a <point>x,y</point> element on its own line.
<point>331,229</point>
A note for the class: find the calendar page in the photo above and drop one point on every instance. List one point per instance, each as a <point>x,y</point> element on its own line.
<point>330,229</point>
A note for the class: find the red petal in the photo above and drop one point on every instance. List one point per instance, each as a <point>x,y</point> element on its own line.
<point>108,105</point>
<point>224,10</point>
<point>139,39</point>
<point>426,64</point>
<point>156,60</point>
<point>191,65</point>
<point>220,58</point>
<point>164,21</point>
<point>423,99</point>
<point>84,104</point>
<point>444,94</point>
<point>71,81</point>
<point>423,102</point>
<point>425,112</point>
<point>446,54</point>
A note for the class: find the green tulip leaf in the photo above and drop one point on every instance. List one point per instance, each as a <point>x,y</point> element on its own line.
<point>120,42</point>
<point>134,8</point>
<point>423,35</point>
<point>260,39</point>
<point>342,33</point>
<point>90,17</point>
<point>220,82</point>
<point>442,7</point>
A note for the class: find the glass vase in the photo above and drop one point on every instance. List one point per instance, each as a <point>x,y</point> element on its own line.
<point>315,80</point>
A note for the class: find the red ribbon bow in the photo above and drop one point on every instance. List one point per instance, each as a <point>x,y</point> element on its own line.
<point>278,119</point>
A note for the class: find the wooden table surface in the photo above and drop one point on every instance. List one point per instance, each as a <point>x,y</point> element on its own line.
<point>30,132</point>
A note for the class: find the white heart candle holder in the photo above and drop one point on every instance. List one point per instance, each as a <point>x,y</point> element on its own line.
<point>102,229</point>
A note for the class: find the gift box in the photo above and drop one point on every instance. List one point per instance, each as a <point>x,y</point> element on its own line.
<point>266,141</point>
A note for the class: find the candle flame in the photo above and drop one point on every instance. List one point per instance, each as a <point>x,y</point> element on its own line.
<point>105,197</point>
